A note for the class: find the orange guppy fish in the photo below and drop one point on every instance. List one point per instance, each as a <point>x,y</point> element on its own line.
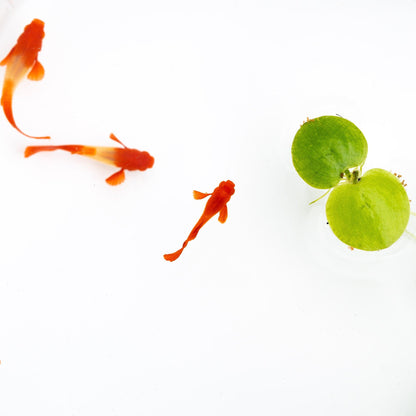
<point>123,158</point>
<point>22,60</point>
<point>217,203</point>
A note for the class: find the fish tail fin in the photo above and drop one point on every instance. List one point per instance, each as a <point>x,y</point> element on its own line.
<point>34,137</point>
<point>176,254</point>
<point>31,150</point>
<point>7,99</point>
<point>173,256</point>
<point>192,235</point>
<point>6,103</point>
<point>28,135</point>
<point>72,148</point>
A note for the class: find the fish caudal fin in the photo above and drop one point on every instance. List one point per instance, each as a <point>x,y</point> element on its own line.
<point>31,150</point>
<point>32,137</point>
<point>173,256</point>
<point>192,235</point>
<point>72,148</point>
<point>6,103</point>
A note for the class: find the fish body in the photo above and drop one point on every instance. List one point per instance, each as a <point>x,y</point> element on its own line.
<point>123,158</point>
<point>22,61</point>
<point>217,203</point>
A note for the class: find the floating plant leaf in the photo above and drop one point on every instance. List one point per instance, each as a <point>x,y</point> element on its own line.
<point>369,213</point>
<point>325,147</point>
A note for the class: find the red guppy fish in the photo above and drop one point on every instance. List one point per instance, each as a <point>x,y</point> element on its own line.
<point>123,158</point>
<point>22,60</point>
<point>217,203</point>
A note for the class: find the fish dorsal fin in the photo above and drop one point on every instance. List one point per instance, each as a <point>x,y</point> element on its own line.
<point>200,195</point>
<point>113,137</point>
<point>37,72</point>
<point>117,178</point>
<point>4,61</point>
<point>223,215</point>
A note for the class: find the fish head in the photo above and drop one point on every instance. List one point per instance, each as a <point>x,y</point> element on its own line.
<point>36,29</point>
<point>148,160</point>
<point>227,187</point>
<point>133,159</point>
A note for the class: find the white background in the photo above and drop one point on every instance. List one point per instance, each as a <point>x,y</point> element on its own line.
<point>267,314</point>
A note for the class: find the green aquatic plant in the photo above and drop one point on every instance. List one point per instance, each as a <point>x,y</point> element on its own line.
<point>368,212</point>
<point>325,148</point>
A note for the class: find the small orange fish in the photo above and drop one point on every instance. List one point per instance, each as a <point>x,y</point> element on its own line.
<point>124,158</point>
<point>216,204</point>
<point>22,60</point>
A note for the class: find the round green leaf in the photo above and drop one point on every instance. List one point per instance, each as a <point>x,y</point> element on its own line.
<point>324,147</point>
<point>370,214</point>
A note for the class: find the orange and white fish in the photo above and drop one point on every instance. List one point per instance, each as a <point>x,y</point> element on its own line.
<point>123,158</point>
<point>217,203</point>
<point>22,60</point>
